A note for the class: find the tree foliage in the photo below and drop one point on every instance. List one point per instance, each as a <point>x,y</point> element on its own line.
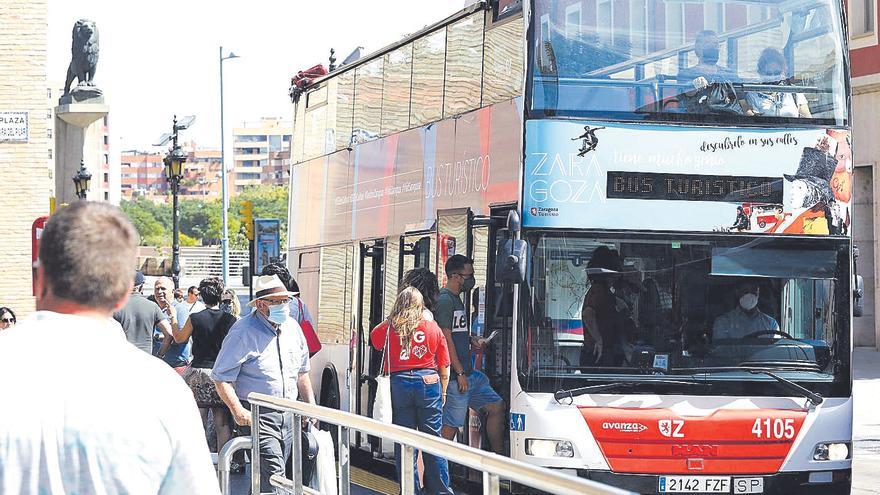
<point>201,220</point>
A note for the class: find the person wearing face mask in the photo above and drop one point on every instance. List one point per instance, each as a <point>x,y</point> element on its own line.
<point>469,388</point>
<point>265,352</point>
<point>745,318</point>
<point>229,303</point>
<point>707,70</point>
<point>773,69</point>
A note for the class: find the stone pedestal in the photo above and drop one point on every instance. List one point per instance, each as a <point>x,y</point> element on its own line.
<point>78,137</point>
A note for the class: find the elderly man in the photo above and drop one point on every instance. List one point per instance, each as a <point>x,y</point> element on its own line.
<point>96,415</point>
<point>265,352</point>
<point>140,316</point>
<point>176,355</point>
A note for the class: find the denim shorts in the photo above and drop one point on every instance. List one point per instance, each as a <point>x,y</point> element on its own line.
<point>478,395</point>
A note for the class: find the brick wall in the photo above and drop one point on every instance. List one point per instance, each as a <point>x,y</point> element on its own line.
<point>24,183</point>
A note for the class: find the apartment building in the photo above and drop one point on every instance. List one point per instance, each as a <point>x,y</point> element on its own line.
<point>142,174</point>
<point>202,175</point>
<point>261,152</point>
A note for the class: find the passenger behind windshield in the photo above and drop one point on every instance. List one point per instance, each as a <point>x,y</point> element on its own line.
<point>607,311</point>
<point>707,71</point>
<point>772,69</point>
<point>745,319</point>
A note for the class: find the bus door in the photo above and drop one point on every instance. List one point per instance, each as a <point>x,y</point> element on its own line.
<point>370,314</point>
<point>415,251</point>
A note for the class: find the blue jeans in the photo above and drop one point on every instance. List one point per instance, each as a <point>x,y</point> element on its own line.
<point>417,405</point>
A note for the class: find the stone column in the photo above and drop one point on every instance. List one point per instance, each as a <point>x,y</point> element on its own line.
<point>78,138</point>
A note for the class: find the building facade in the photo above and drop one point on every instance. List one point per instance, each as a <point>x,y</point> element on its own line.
<point>24,141</point>
<point>865,70</point>
<point>142,175</point>
<point>261,152</point>
<point>202,175</point>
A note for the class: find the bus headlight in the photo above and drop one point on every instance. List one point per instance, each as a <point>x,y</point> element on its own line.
<point>831,451</point>
<point>549,448</point>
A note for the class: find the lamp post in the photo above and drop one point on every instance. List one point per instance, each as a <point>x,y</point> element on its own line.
<point>82,180</point>
<point>174,162</point>
<point>224,236</point>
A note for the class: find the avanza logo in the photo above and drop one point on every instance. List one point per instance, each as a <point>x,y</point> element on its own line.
<point>695,450</point>
<point>624,427</point>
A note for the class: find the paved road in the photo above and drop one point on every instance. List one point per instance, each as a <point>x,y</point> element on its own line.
<point>866,422</point>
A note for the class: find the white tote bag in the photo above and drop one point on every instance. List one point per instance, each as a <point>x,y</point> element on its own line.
<point>324,478</point>
<point>382,402</point>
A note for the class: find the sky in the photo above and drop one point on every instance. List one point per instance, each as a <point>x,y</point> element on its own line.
<point>161,57</point>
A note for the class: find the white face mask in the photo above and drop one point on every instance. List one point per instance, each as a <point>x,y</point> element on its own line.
<point>748,301</point>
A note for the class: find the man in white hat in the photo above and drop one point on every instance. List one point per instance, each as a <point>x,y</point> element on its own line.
<point>265,352</point>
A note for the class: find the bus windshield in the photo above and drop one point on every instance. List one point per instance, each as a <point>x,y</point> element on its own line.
<point>632,309</point>
<point>719,62</point>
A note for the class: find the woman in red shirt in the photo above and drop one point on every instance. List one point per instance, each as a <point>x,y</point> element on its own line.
<point>418,359</point>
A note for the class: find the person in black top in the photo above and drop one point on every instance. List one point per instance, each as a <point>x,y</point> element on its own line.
<point>208,328</point>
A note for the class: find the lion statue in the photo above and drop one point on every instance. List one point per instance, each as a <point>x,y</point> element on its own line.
<point>85,54</point>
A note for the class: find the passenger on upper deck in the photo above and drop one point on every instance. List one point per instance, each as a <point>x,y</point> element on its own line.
<point>707,70</point>
<point>772,69</point>
<point>745,319</point>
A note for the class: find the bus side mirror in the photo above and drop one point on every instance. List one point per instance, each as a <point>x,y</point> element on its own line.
<point>858,299</point>
<point>510,261</point>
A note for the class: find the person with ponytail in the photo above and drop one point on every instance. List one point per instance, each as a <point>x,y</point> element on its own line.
<point>415,353</point>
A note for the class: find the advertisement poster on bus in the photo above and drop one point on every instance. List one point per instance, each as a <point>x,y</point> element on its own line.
<point>267,242</point>
<point>398,183</point>
<point>617,176</point>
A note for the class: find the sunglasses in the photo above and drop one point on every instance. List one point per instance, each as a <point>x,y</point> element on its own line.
<point>7,320</point>
<point>277,302</point>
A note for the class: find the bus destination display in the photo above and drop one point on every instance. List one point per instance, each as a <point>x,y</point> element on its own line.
<point>692,187</point>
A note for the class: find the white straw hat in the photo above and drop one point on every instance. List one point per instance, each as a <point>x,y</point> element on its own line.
<point>267,286</point>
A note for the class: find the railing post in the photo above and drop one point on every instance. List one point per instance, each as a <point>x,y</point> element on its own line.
<point>255,448</point>
<point>224,458</point>
<point>407,476</point>
<point>344,461</point>
<point>491,484</point>
<point>297,454</point>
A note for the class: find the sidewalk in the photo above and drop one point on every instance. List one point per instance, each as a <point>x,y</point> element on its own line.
<point>866,421</point>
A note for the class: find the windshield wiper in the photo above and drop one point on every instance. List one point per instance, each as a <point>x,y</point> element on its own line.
<point>813,397</point>
<point>575,392</point>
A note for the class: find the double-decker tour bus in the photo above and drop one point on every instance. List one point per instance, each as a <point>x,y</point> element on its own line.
<point>657,195</point>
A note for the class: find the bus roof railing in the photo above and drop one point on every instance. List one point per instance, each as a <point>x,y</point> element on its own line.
<point>461,14</point>
<point>493,466</point>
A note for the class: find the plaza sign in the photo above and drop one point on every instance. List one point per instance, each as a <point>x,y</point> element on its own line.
<point>13,126</point>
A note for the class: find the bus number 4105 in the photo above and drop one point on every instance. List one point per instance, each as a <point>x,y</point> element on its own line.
<point>774,428</point>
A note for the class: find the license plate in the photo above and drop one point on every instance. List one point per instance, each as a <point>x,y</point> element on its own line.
<point>748,485</point>
<point>694,484</point>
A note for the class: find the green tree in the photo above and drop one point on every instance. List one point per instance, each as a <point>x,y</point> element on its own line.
<point>269,202</point>
<point>201,220</point>
<point>147,219</point>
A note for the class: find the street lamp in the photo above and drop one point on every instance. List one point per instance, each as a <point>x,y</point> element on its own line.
<point>82,181</point>
<point>174,162</point>
<point>224,236</point>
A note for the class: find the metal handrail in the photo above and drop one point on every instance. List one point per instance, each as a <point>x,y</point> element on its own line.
<point>493,466</point>
<point>224,459</point>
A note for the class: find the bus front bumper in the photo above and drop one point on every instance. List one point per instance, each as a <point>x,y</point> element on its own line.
<point>780,483</point>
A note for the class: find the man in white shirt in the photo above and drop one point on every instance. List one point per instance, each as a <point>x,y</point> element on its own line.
<point>93,414</point>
